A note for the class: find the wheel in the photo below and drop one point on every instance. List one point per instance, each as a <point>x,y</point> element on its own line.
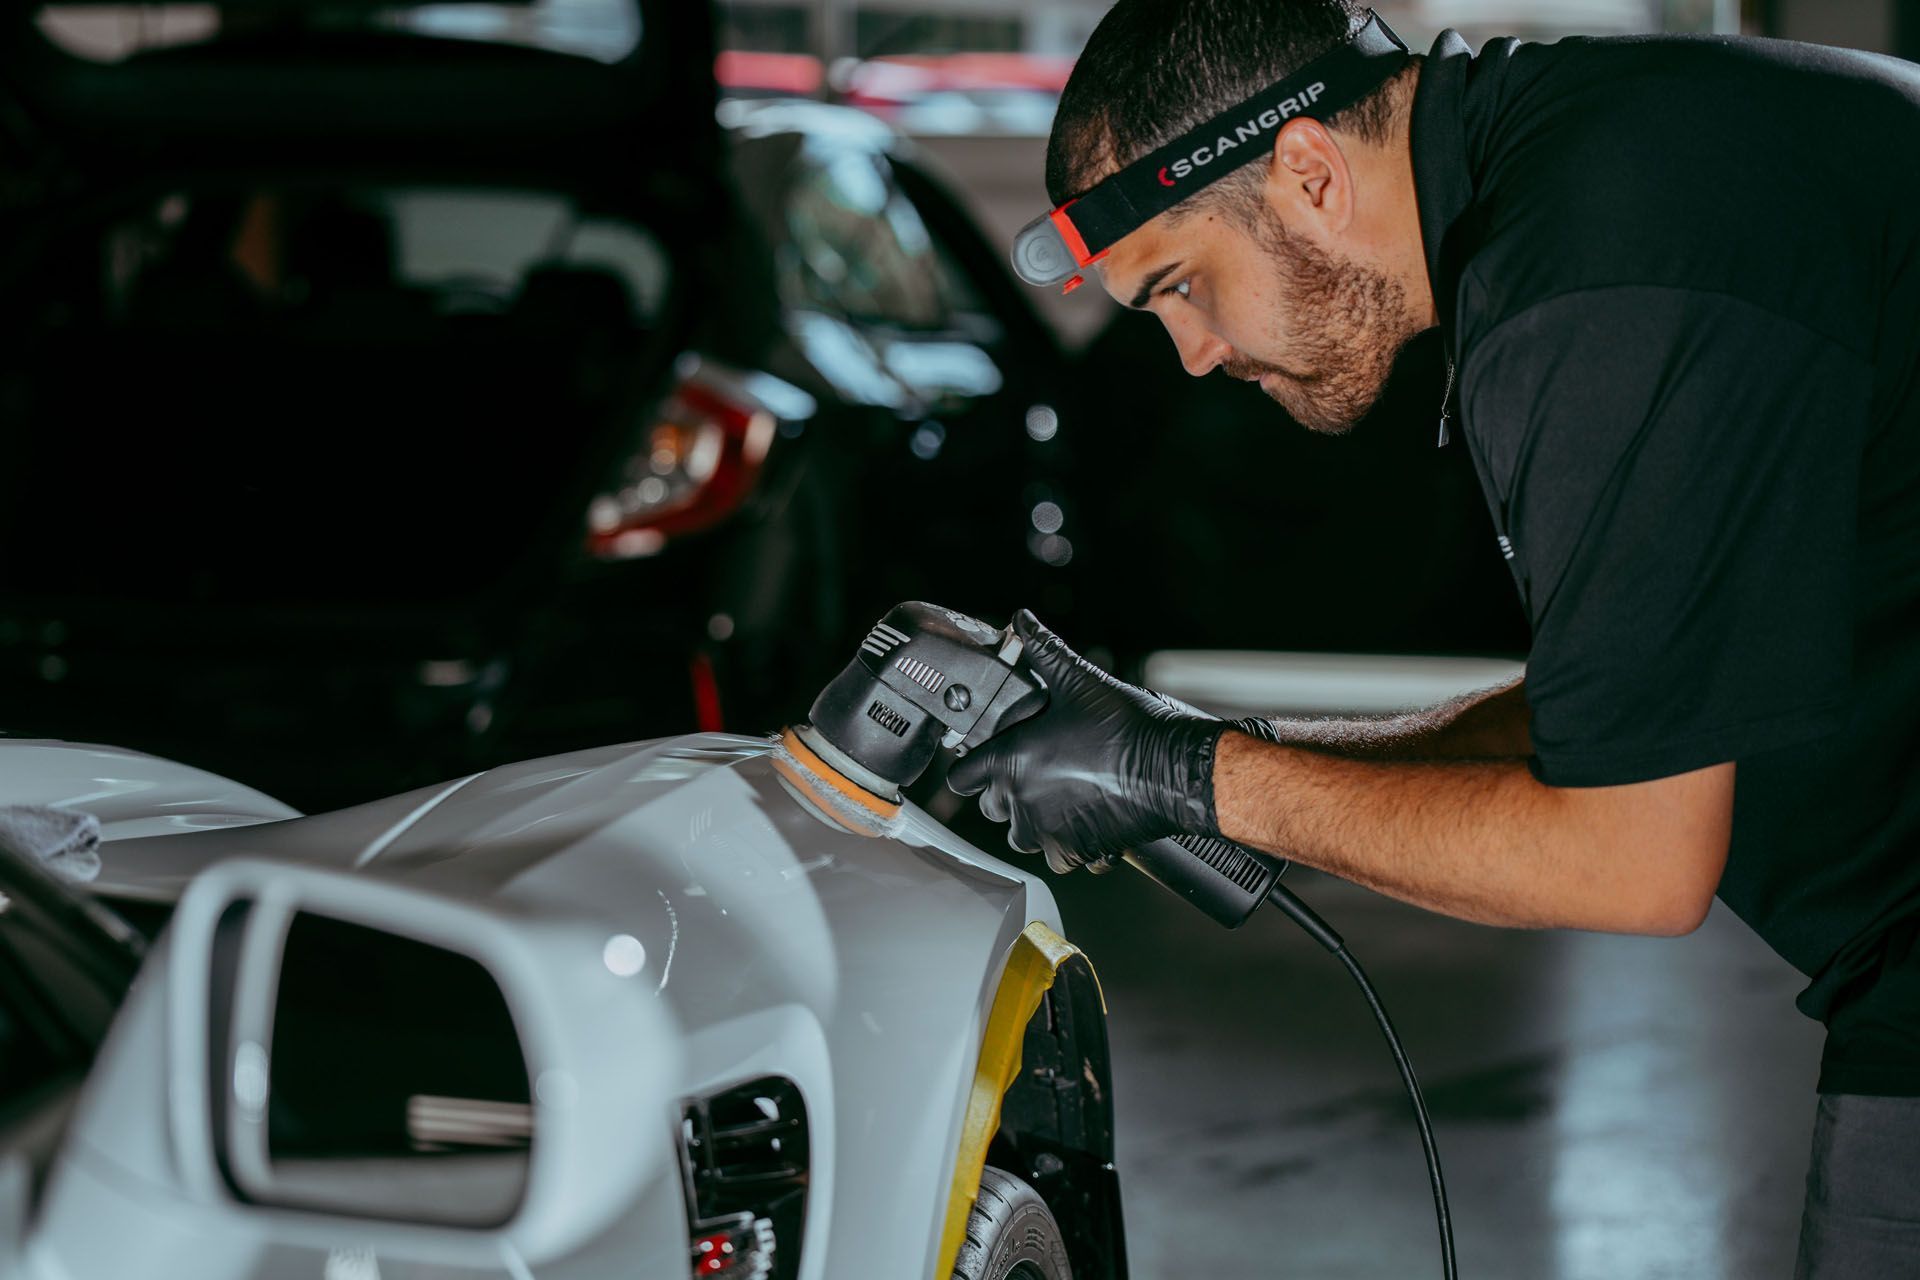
<point>1011,1234</point>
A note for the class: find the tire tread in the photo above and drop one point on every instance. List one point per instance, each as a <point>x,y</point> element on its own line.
<point>1010,1225</point>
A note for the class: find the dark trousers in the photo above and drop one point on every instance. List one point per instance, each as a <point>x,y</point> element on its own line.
<point>1862,1218</point>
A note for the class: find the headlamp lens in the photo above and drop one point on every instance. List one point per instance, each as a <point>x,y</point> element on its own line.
<point>1040,256</point>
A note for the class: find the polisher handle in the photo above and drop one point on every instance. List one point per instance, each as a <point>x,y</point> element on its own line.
<point>1223,879</point>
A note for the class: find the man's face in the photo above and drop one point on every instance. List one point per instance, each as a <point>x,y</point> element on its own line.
<point>1317,330</point>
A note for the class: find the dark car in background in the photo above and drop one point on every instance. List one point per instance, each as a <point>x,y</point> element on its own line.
<point>1226,527</point>
<point>388,392</point>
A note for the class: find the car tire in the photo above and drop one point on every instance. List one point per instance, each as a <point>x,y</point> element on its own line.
<point>1011,1234</point>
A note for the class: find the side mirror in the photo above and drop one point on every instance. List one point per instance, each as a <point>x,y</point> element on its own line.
<point>369,1074</point>
<point>449,1077</point>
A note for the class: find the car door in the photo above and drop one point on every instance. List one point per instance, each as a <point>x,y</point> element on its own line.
<point>957,479</point>
<point>1036,415</point>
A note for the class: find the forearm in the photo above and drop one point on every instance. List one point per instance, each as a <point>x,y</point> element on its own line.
<point>1481,840</point>
<point>1491,724</point>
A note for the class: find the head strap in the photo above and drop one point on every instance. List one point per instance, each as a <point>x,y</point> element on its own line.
<point>1054,247</point>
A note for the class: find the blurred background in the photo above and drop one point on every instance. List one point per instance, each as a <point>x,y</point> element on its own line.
<point>360,439</point>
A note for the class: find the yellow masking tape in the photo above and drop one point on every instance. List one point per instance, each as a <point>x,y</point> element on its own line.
<point>1032,962</point>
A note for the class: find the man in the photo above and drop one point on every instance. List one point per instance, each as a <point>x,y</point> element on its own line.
<point>1678,281</point>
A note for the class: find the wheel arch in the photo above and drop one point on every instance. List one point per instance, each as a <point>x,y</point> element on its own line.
<point>1042,1104</point>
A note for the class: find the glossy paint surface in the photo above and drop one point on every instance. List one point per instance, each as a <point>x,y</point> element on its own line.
<point>132,794</point>
<point>779,941</point>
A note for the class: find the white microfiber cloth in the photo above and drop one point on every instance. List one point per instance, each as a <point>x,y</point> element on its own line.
<point>64,841</point>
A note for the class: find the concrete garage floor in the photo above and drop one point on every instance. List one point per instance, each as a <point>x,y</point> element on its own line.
<point>1606,1107</point>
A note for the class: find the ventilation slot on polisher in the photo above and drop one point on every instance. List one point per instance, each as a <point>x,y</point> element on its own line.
<point>887,718</point>
<point>1229,860</point>
<point>883,639</point>
<point>920,673</point>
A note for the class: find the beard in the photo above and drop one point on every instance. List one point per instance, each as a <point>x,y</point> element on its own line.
<point>1352,322</point>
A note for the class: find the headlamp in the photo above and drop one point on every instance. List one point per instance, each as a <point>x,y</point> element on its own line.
<point>1055,247</point>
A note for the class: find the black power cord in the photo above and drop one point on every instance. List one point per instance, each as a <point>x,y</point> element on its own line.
<point>1323,933</point>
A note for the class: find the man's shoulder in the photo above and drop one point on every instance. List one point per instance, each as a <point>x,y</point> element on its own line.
<point>1619,78</point>
<point>1734,167</point>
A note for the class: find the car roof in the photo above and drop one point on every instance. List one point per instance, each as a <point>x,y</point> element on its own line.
<point>371,98</point>
<point>762,117</point>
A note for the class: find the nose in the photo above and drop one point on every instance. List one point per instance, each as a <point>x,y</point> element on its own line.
<point>1201,350</point>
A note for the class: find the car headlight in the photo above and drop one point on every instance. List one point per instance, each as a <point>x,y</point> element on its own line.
<point>744,1154</point>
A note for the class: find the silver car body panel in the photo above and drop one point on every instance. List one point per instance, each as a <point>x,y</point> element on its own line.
<point>778,940</point>
<point>131,793</point>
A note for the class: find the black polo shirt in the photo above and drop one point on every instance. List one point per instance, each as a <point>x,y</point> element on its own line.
<point>1679,279</point>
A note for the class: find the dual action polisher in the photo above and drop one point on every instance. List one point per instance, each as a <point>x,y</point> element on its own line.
<point>927,678</point>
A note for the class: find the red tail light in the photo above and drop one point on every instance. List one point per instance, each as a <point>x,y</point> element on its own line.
<point>695,462</point>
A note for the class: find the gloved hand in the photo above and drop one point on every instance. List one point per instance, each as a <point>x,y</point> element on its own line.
<point>1105,768</point>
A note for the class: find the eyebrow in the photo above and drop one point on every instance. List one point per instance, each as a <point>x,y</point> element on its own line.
<point>1151,283</point>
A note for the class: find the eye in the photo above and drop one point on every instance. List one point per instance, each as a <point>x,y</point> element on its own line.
<point>1184,289</point>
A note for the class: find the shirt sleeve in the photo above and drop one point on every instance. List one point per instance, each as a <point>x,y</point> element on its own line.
<point>1676,474</point>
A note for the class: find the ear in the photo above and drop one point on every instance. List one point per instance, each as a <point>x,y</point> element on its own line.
<point>1309,181</point>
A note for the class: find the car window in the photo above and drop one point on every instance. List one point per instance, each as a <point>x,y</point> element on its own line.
<point>490,241</point>
<point>859,248</point>
<point>605,30</point>
<point>290,255</point>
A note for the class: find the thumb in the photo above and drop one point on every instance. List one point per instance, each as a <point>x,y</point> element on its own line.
<point>972,772</point>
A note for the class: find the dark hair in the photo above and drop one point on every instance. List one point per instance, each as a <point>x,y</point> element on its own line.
<point>1155,68</point>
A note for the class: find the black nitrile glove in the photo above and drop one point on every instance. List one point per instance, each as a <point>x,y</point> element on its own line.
<point>1105,768</point>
